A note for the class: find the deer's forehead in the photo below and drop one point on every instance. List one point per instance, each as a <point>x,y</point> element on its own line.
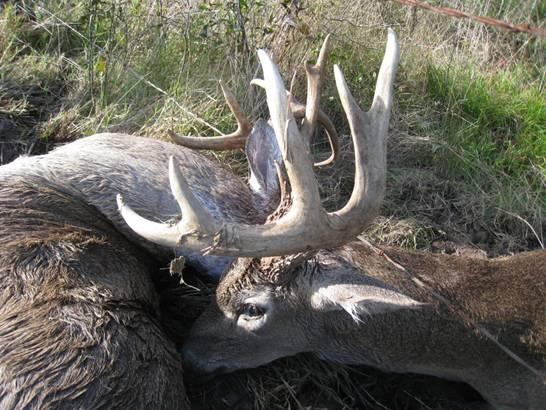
<point>238,277</point>
<point>248,274</point>
<point>253,280</point>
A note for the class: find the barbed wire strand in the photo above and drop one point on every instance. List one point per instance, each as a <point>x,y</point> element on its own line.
<point>515,28</point>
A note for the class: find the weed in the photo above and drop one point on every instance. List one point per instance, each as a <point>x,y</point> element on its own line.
<point>498,118</point>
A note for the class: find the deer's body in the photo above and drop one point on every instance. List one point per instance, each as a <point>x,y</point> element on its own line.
<point>79,316</point>
<point>79,319</point>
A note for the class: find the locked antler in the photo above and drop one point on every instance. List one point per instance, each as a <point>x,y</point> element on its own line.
<point>234,140</point>
<point>306,225</point>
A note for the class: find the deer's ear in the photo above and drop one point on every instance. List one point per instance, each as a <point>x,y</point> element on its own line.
<point>359,300</point>
<point>262,152</point>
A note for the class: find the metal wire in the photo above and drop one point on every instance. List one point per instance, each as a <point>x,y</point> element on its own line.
<point>515,28</point>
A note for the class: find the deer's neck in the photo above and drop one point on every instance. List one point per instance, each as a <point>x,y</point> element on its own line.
<point>463,297</point>
<point>407,341</point>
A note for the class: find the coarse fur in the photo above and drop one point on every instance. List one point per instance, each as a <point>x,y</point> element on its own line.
<point>79,316</point>
<point>79,322</point>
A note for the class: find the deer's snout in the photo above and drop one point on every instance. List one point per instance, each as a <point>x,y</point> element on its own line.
<point>197,364</point>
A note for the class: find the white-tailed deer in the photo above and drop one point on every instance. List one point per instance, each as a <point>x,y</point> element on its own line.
<point>302,283</point>
<point>80,323</point>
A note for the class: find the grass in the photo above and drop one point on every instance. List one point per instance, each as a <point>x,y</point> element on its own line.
<point>497,118</point>
<point>483,135</point>
<point>467,147</point>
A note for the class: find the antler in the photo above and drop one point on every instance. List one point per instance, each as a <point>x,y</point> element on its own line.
<point>314,74</point>
<point>313,115</point>
<point>234,140</point>
<point>299,110</point>
<point>305,226</point>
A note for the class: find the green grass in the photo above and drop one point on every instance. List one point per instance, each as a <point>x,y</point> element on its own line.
<point>498,118</point>
<point>490,132</point>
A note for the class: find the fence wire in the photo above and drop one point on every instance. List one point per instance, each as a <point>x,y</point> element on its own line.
<point>515,28</point>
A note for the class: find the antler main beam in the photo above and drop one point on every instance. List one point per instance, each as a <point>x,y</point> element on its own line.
<point>306,225</point>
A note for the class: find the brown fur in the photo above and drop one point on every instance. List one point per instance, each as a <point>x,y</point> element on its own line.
<point>507,296</point>
<point>78,315</point>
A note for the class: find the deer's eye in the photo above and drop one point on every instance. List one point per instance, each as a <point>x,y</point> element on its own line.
<point>252,311</point>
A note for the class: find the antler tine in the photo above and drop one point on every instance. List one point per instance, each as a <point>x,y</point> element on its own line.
<point>368,132</point>
<point>195,225</point>
<point>298,109</point>
<point>162,234</point>
<point>382,100</point>
<point>299,168</point>
<point>236,139</point>
<point>315,74</point>
<point>194,216</point>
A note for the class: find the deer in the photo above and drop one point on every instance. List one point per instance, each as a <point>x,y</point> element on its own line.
<point>80,319</point>
<point>303,281</point>
<point>80,324</point>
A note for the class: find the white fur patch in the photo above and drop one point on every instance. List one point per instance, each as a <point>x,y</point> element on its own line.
<point>359,300</point>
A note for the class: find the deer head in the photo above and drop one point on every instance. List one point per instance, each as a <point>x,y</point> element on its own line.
<point>275,274</point>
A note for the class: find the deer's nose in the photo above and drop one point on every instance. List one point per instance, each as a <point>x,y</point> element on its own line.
<point>197,365</point>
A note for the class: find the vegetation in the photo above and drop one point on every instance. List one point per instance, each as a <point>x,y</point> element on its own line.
<point>467,151</point>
